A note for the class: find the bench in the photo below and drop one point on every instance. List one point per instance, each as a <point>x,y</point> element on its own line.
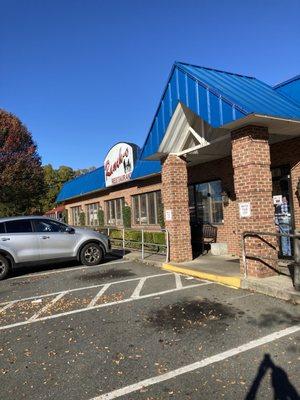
<point>209,235</point>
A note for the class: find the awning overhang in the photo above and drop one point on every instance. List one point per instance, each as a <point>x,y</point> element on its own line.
<point>275,125</point>
<point>191,137</point>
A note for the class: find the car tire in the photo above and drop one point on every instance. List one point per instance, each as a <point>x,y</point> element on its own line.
<point>4,267</point>
<point>91,254</point>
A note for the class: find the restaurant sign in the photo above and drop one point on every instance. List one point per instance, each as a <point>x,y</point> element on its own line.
<point>119,163</point>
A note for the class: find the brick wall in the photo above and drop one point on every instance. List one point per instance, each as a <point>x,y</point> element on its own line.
<point>126,190</point>
<point>175,198</point>
<point>253,183</point>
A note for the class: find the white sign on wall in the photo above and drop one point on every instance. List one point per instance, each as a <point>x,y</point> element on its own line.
<point>119,164</point>
<point>168,215</point>
<point>245,210</point>
<point>277,200</point>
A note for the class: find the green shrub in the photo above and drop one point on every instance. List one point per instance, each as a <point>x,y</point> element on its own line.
<point>148,237</point>
<point>135,236</point>
<point>161,217</point>
<point>115,234</point>
<point>82,218</point>
<point>159,237</point>
<point>100,218</point>
<point>126,214</point>
<point>133,239</point>
<point>65,216</point>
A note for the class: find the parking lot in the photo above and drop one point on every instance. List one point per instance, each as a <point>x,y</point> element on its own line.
<point>130,331</point>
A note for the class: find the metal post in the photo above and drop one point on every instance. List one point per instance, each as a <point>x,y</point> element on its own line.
<point>244,259</point>
<point>297,260</point>
<point>142,244</point>
<point>167,246</point>
<point>123,237</point>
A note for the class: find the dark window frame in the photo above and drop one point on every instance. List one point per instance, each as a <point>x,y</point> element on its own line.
<point>136,200</point>
<point>108,205</point>
<point>193,186</point>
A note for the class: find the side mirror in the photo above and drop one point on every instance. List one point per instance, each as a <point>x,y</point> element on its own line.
<point>70,229</point>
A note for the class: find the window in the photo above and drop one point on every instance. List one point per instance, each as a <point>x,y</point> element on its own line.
<point>76,215</point>
<point>2,228</point>
<point>43,225</point>
<point>92,214</point>
<point>205,202</point>
<point>114,212</point>
<point>146,208</point>
<point>18,226</point>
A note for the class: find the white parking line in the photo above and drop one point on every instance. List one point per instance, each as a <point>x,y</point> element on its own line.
<point>8,305</point>
<point>59,271</point>
<point>178,281</point>
<point>137,290</point>
<point>102,305</point>
<point>47,306</point>
<point>83,288</point>
<point>198,364</point>
<point>98,295</point>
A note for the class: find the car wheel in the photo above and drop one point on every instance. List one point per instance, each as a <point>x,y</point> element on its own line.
<point>91,254</point>
<point>4,267</point>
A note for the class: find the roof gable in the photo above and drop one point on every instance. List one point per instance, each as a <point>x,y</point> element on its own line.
<point>216,96</point>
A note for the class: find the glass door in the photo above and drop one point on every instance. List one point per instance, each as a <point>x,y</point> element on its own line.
<point>283,208</point>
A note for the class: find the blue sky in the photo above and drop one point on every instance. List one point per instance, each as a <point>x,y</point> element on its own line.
<point>83,75</point>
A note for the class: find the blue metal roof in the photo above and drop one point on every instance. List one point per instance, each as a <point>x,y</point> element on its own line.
<point>86,183</point>
<point>290,88</point>
<point>216,96</point>
<point>94,180</point>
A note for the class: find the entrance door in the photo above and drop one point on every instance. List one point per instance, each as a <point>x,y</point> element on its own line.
<point>283,208</point>
<point>205,204</point>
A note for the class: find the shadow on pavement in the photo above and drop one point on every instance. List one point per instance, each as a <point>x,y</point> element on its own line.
<point>56,265</point>
<point>282,387</point>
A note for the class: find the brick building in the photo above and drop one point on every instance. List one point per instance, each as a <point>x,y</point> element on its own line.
<point>223,149</point>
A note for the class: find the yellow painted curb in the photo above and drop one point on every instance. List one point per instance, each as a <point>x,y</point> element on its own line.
<point>232,281</point>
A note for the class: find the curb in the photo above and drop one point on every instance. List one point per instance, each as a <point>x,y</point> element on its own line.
<point>232,281</point>
<point>260,287</point>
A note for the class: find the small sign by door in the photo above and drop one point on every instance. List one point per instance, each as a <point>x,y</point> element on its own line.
<point>169,215</point>
<point>245,210</point>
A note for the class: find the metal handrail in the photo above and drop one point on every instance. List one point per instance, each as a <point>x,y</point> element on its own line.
<point>258,234</point>
<point>142,242</point>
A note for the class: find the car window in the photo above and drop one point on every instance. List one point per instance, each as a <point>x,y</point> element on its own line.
<point>18,226</point>
<point>2,228</point>
<point>44,225</point>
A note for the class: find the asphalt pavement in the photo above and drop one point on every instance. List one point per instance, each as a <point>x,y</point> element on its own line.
<point>130,331</point>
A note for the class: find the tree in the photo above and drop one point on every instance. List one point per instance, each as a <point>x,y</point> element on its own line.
<point>54,179</point>
<point>21,173</point>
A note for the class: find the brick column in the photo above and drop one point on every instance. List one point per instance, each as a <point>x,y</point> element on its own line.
<point>253,184</point>
<point>176,202</point>
<point>295,176</point>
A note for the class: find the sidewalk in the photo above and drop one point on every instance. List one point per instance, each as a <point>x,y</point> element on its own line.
<point>156,260</point>
<point>279,286</point>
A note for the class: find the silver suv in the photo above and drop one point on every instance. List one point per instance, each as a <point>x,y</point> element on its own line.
<point>35,240</point>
